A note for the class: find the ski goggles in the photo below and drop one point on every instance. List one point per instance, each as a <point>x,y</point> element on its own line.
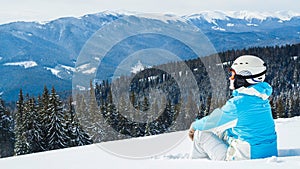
<point>232,74</point>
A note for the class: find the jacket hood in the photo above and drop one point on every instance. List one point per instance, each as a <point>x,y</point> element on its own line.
<point>262,90</point>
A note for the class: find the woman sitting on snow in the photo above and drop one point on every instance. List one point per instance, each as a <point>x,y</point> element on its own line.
<point>243,128</point>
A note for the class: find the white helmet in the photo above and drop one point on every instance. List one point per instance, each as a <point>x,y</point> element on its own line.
<point>250,68</point>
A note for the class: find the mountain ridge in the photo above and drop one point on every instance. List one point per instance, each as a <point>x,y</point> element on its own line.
<point>58,42</point>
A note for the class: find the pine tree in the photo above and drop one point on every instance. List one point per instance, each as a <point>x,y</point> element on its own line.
<point>155,110</point>
<point>167,117</point>
<point>123,108</point>
<point>147,115</point>
<point>81,112</point>
<point>21,144</point>
<point>77,135</point>
<point>181,122</point>
<point>57,136</point>
<point>35,136</point>
<point>290,107</point>
<point>94,125</point>
<point>191,106</point>
<point>7,138</point>
<point>280,109</point>
<point>44,114</point>
<point>208,105</point>
<point>112,121</point>
<point>273,108</point>
<point>297,106</point>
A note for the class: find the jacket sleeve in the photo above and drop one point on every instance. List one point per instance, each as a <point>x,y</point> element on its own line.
<point>218,117</point>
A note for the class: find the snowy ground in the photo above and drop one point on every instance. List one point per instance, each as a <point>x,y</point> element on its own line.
<point>94,157</point>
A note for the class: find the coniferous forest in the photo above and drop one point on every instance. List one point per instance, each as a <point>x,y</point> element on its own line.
<point>48,122</point>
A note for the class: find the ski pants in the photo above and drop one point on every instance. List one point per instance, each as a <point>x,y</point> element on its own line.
<point>208,145</point>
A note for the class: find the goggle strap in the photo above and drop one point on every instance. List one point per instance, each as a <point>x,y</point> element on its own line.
<point>252,76</point>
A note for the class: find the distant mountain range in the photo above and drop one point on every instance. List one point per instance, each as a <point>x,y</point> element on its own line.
<point>35,54</point>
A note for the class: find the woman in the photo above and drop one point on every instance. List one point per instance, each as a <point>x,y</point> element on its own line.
<point>243,128</point>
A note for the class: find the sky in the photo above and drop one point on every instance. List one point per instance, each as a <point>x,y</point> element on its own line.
<point>45,10</point>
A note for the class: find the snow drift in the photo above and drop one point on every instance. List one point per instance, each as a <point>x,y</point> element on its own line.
<point>93,156</point>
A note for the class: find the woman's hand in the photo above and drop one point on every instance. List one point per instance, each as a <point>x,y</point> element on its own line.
<point>191,133</point>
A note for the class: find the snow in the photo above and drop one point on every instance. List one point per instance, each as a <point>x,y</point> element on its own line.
<point>25,64</point>
<point>94,156</point>
<point>211,16</point>
<point>137,68</point>
<point>90,71</point>
<point>229,24</point>
<point>108,12</point>
<point>295,57</point>
<point>218,28</point>
<point>251,24</point>
<point>72,69</point>
<point>60,69</point>
<point>82,88</point>
<point>165,18</point>
<point>83,67</point>
<point>53,71</point>
<point>285,15</point>
<point>224,63</point>
<point>282,15</point>
<point>97,58</point>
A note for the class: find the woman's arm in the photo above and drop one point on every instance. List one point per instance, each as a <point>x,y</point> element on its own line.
<point>218,117</point>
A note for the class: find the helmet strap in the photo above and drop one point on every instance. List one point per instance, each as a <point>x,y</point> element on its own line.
<point>240,82</point>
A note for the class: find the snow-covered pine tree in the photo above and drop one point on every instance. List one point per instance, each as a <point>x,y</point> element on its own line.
<point>273,108</point>
<point>69,115</point>
<point>280,108</point>
<point>290,104</point>
<point>167,118</point>
<point>21,144</point>
<point>7,138</point>
<point>78,137</point>
<point>35,133</point>
<point>191,106</point>
<point>44,114</point>
<point>94,125</point>
<point>173,117</point>
<point>180,122</point>
<point>81,112</point>
<point>57,135</point>
<point>297,107</point>
<point>111,118</point>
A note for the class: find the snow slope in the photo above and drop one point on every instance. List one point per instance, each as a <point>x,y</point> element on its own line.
<point>93,156</point>
<point>25,64</point>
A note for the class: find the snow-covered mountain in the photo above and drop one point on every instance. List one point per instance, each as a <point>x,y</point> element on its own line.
<point>49,45</point>
<point>246,18</point>
<point>245,15</point>
<point>94,156</point>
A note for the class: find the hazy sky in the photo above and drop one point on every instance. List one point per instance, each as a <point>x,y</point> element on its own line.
<point>43,10</point>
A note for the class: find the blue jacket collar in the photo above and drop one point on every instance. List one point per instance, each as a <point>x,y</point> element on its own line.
<point>262,90</point>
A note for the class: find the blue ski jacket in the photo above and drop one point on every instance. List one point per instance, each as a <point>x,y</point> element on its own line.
<point>253,126</point>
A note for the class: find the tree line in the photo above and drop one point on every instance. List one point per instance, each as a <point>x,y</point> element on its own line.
<point>40,124</point>
<point>153,104</point>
